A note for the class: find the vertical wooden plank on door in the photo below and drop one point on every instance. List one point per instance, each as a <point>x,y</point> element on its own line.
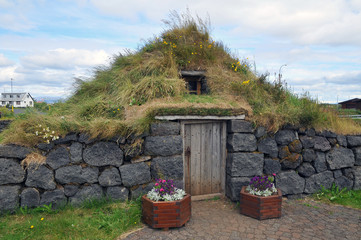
<point>195,159</point>
<point>202,158</point>
<point>215,144</point>
<point>187,158</point>
<point>207,159</point>
<point>223,154</point>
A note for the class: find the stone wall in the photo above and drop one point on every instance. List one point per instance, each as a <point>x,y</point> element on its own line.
<point>4,124</point>
<point>79,168</point>
<point>302,159</point>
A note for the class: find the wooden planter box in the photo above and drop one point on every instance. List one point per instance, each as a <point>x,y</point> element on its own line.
<point>166,214</point>
<point>261,207</point>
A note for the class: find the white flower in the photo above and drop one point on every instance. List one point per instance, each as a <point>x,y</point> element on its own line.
<point>153,195</point>
<point>37,133</point>
<point>48,141</point>
<point>52,132</point>
<point>168,197</point>
<point>177,195</point>
<point>264,193</point>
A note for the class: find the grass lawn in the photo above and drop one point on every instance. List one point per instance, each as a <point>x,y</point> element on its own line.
<point>94,220</point>
<point>350,198</point>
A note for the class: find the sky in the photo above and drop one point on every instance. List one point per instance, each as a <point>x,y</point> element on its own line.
<point>315,45</point>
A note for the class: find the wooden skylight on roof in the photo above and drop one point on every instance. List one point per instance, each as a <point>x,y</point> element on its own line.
<point>196,82</point>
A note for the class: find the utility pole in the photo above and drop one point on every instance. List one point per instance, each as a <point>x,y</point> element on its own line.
<point>11,85</point>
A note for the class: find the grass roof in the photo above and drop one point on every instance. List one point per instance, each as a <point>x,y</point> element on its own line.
<point>124,97</point>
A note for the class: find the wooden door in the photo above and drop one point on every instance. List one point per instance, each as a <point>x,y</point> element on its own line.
<point>204,157</point>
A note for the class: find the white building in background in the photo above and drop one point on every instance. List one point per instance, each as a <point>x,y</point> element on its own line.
<point>16,100</point>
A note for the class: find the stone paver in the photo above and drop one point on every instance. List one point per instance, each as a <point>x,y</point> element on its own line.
<point>301,219</point>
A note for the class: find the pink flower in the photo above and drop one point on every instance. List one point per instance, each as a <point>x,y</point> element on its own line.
<point>164,181</point>
<point>274,174</point>
<point>156,184</point>
<point>161,189</point>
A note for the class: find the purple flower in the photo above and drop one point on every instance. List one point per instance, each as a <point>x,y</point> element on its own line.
<point>262,182</point>
<point>163,186</point>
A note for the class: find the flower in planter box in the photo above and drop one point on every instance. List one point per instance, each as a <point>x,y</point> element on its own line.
<point>164,190</point>
<point>262,185</point>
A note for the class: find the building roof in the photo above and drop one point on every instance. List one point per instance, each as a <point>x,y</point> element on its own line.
<point>193,73</point>
<point>15,96</point>
<point>354,100</point>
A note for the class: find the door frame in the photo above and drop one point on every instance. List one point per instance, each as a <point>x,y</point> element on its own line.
<point>223,142</point>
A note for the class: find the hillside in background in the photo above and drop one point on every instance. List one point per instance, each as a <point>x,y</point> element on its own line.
<point>124,97</point>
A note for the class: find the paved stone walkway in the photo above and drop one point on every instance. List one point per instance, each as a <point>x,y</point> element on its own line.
<point>301,219</point>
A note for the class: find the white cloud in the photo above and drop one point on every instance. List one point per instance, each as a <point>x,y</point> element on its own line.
<point>305,22</point>
<point>13,15</point>
<point>135,10</point>
<point>15,23</point>
<point>328,86</point>
<point>51,73</point>
<point>5,4</point>
<point>6,73</point>
<point>4,62</point>
<point>65,59</point>
<point>45,82</point>
<point>347,79</point>
<point>37,44</point>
